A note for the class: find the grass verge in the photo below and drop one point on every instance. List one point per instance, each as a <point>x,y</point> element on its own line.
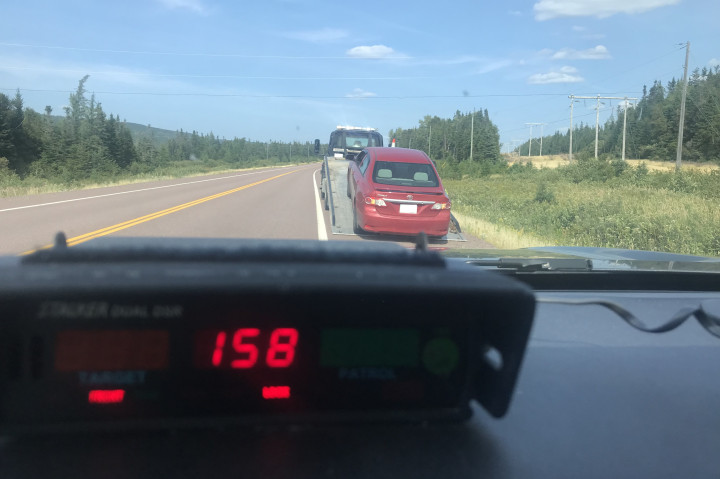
<point>12,186</point>
<point>599,205</point>
<point>500,236</point>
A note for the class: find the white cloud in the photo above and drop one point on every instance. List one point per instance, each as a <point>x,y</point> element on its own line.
<point>360,93</point>
<point>459,60</point>
<point>494,65</point>
<point>714,62</point>
<point>515,13</point>
<point>196,6</point>
<point>577,28</point>
<point>599,52</point>
<point>323,35</point>
<point>548,9</point>
<point>564,75</point>
<point>479,64</point>
<point>374,51</point>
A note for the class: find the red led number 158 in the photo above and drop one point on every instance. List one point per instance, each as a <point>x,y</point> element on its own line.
<point>280,351</point>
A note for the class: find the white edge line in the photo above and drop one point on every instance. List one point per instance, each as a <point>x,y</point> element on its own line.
<point>134,191</point>
<point>322,233</point>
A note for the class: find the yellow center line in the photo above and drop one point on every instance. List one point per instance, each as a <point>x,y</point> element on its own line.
<point>142,219</point>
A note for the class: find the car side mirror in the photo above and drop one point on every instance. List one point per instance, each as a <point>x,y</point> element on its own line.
<point>317,146</point>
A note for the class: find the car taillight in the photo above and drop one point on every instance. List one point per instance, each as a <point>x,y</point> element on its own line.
<point>369,200</point>
<point>441,206</point>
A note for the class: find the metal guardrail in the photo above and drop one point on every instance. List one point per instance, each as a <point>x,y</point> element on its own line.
<point>329,191</point>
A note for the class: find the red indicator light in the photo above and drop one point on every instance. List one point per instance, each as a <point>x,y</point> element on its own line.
<point>276,392</point>
<point>106,396</point>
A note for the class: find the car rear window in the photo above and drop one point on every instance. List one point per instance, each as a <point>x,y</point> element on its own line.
<point>404,174</point>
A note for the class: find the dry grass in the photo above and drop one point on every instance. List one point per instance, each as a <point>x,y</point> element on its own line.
<point>555,161</point>
<point>670,166</point>
<point>547,161</point>
<point>37,186</point>
<point>499,236</point>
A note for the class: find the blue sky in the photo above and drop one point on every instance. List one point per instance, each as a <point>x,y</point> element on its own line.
<point>294,69</point>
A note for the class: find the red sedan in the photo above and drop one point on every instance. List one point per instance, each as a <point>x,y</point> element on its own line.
<point>397,191</point>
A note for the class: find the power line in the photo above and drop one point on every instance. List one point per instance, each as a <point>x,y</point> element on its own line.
<point>635,67</point>
<point>230,77</point>
<point>561,120</point>
<point>190,54</point>
<point>242,95</point>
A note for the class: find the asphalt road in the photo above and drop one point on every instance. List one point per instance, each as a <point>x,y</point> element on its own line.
<point>262,203</point>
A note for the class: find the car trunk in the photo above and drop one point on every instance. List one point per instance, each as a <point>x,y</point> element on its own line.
<point>408,201</point>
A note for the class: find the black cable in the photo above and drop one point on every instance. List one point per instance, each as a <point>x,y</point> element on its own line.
<point>709,322</point>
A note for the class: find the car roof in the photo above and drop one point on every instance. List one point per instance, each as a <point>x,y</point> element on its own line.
<point>398,155</point>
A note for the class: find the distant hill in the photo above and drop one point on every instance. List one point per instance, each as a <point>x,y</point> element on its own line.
<point>159,136</point>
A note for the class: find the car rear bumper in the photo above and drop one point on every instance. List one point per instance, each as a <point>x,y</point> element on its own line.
<point>437,225</point>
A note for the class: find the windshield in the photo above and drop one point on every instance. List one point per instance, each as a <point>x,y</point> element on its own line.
<point>548,125</point>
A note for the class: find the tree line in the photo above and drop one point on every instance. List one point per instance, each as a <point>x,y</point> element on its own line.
<point>449,139</point>
<point>88,144</point>
<point>652,124</point>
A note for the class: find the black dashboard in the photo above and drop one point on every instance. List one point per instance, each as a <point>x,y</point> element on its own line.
<point>593,398</point>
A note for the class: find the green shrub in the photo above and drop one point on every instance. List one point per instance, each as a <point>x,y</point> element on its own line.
<point>598,203</point>
<point>619,167</point>
<point>544,194</point>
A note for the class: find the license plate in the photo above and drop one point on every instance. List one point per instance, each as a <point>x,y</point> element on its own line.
<point>408,209</point>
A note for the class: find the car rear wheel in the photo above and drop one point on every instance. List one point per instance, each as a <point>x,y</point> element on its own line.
<point>454,224</point>
<point>356,227</point>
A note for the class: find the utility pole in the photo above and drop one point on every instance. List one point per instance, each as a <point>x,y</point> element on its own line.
<point>267,150</point>
<point>597,116</point>
<point>597,125</point>
<point>429,139</point>
<point>530,142</point>
<point>625,125</point>
<point>472,133</point>
<point>572,103</point>
<point>516,144</point>
<point>678,160</point>
<point>541,137</point>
